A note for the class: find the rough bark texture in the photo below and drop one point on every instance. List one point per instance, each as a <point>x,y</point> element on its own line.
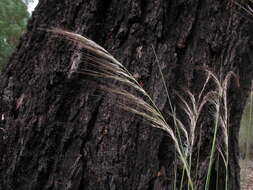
<point>63,133</point>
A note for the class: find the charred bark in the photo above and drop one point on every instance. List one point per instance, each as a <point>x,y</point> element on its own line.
<point>60,132</point>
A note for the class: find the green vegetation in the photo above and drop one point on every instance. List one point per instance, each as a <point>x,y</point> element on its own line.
<point>246,131</point>
<point>105,66</point>
<point>13,19</point>
<point>246,145</point>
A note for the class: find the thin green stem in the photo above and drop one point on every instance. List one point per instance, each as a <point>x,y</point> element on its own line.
<point>178,132</point>
<point>213,146</point>
<point>190,166</point>
<point>163,80</point>
<point>175,173</point>
<point>226,185</point>
<point>182,179</point>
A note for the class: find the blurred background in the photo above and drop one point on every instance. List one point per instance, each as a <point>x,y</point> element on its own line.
<point>14,15</point>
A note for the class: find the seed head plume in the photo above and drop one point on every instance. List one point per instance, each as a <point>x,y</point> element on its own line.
<point>106,66</point>
<point>99,64</point>
<point>219,100</point>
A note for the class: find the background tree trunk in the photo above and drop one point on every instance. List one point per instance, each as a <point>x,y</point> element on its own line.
<point>60,132</point>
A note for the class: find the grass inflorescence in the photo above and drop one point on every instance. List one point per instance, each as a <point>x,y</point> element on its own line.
<point>105,66</point>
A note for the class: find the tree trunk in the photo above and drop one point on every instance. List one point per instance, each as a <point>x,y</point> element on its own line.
<point>60,132</point>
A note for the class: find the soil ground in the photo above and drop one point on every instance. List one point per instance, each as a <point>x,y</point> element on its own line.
<point>246,174</point>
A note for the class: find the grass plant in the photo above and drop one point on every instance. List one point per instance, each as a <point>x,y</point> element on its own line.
<point>221,119</point>
<point>105,66</point>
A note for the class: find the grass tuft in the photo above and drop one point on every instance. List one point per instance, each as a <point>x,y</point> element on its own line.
<point>105,66</point>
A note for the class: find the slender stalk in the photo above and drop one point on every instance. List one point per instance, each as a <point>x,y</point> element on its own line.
<point>163,80</point>
<point>182,179</point>
<point>197,165</point>
<point>174,118</point>
<point>213,145</point>
<point>226,185</point>
<point>190,167</point>
<point>105,66</point>
<point>175,173</point>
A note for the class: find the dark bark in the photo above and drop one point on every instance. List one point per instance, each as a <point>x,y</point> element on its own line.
<point>61,132</point>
